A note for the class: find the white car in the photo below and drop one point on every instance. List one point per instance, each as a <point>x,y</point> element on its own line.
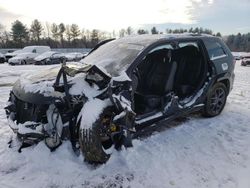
<point>12,54</point>
<point>27,55</point>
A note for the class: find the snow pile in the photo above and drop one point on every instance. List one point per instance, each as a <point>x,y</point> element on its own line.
<point>45,88</point>
<point>198,153</point>
<point>24,128</point>
<point>91,112</point>
<point>80,86</point>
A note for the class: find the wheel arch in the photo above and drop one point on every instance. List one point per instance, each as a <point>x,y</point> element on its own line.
<point>226,82</point>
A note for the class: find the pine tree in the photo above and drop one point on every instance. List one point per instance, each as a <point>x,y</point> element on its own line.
<point>36,30</point>
<point>19,33</point>
<point>94,36</point>
<point>154,30</point>
<point>55,31</point>
<point>75,31</point>
<point>68,33</point>
<point>61,31</point>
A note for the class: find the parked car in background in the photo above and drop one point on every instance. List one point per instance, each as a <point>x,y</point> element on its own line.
<point>123,89</point>
<point>237,55</point>
<point>2,58</point>
<point>12,54</point>
<point>74,56</point>
<point>49,58</point>
<point>27,55</point>
<point>245,60</point>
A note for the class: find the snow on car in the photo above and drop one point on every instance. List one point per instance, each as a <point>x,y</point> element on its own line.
<point>12,54</point>
<point>74,56</point>
<point>49,58</point>
<point>27,55</point>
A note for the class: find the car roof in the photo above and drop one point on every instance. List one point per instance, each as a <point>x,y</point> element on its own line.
<point>147,39</point>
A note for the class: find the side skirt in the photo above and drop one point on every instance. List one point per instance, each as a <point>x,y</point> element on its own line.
<point>162,121</point>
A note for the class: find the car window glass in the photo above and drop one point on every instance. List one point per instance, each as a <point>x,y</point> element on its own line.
<point>165,46</point>
<point>114,56</point>
<point>183,44</point>
<point>215,50</point>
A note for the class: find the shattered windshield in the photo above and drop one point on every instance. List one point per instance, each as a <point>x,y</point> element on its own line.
<point>115,56</point>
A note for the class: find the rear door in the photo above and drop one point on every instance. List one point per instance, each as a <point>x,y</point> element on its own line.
<point>218,55</point>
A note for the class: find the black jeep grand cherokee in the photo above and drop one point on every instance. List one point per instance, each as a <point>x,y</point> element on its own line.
<point>122,88</point>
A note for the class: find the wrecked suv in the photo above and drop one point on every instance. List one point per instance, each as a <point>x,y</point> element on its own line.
<point>123,88</point>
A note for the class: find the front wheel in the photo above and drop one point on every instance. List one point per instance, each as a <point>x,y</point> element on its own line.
<point>216,100</point>
<point>91,146</point>
<point>93,141</point>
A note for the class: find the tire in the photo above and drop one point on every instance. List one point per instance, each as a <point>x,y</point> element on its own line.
<point>91,145</point>
<point>215,101</point>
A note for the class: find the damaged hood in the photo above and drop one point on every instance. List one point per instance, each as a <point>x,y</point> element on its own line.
<point>39,88</point>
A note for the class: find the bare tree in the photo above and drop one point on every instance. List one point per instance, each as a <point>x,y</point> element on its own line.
<point>48,30</point>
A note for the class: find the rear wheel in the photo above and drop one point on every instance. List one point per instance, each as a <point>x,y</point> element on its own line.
<point>216,100</point>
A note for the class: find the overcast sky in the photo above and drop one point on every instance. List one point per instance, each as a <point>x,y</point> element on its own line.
<point>225,16</point>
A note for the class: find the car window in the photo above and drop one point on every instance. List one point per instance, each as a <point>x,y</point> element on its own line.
<point>183,44</point>
<point>114,56</point>
<point>215,50</point>
<point>165,46</point>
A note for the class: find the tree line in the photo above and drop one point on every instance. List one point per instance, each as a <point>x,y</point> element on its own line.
<point>239,42</point>
<point>53,35</point>
<point>71,36</point>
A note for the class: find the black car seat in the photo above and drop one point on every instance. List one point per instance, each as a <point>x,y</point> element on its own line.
<point>156,77</point>
<point>189,70</point>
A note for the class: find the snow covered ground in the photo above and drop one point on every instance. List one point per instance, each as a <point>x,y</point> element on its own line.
<point>198,153</point>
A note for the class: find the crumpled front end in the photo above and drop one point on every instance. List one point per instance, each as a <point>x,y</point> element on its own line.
<point>41,110</point>
<point>85,106</point>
